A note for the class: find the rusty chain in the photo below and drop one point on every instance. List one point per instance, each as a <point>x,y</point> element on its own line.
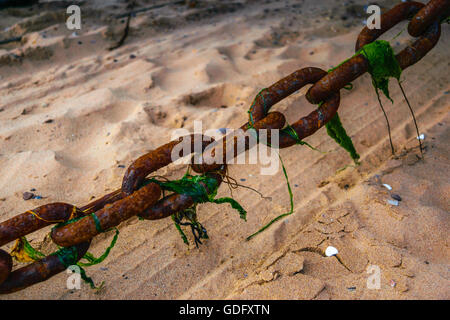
<point>132,200</point>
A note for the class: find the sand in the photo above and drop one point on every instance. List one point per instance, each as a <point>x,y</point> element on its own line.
<point>74,114</point>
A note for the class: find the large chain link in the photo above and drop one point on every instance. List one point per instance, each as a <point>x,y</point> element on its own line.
<point>132,200</point>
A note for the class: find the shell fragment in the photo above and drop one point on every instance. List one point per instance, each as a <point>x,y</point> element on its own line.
<point>331,251</point>
<point>393,202</point>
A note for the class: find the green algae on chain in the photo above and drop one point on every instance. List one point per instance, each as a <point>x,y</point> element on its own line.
<point>336,130</point>
<point>293,134</point>
<point>68,257</point>
<point>382,64</point>
<point>202,189</point>
<point>23,251</point>
<point>90,257</point>
<point>380,55</point>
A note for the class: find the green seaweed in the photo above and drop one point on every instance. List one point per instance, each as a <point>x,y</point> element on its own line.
<point>198,231</point>
<point>90,257</point>
<point>382,64</point>
<point>293,134</point>
<point>202,189</point>
<point>336,131</point>
<point>291,199</point>
<point>23,251</point>
<point>67,255</point>
<point>177,225</point>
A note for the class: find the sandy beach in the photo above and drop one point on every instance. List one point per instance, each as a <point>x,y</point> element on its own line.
<point>74,115</point>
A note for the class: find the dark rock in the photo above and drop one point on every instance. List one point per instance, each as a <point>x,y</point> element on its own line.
<point>396,197</point>
<point>27,195</point>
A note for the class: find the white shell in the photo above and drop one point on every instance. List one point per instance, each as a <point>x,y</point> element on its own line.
<point>331,251</point>
<point>393,202</point>
<point>387,186</point>
<point>421,137</point>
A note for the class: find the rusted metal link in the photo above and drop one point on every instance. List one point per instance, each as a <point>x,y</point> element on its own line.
<point>24,224</point>
<point>308,125</point>
<point>413,53</point>
<point>337,79</point>
<point>305,126</point>
<point>5,265</point>
<point>35,219</point>
<point>103,201</point>
<point>110,216</point>
<point>282,89</point>
<point>38,271</point>
<point>391,18</point>
<point>155,160</point>
<point>429,14</point>
<point>174,203</point>
<point>274,120</point>
<point>358,65</point>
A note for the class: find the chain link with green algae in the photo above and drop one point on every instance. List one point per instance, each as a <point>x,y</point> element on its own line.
<point>197,188</point>
<point>68,255</point>
<point>382,66</point>
<point>336,130</point>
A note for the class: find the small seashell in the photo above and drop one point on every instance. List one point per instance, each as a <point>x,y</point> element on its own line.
<point>393,202</point>
<point>331,251</point>
<point>387,186</point>
<point>421,137</point>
